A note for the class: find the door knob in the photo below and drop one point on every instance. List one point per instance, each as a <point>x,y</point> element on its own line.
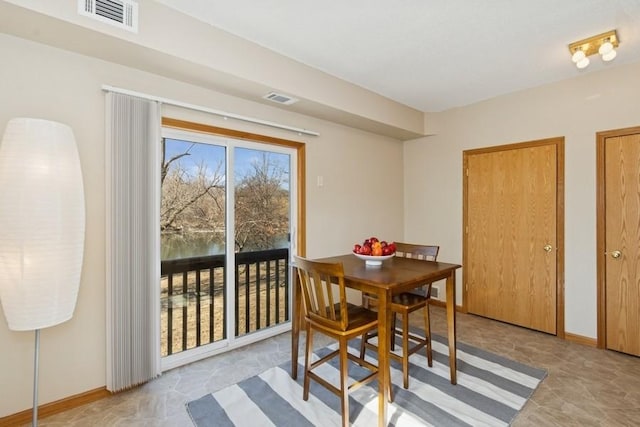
<point>547,248</point>
<point>616,254</point>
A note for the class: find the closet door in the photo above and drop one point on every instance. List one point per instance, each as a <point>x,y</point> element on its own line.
<point>619,163</point>
<point>511,233</point>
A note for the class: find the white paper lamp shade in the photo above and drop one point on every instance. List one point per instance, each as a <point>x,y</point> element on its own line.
<point>42,221</point>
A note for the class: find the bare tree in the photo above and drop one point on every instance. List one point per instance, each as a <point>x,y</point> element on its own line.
<point>262,205</point>
<point>166,164</point>
<point>194,198</point>
<point>191,199</point>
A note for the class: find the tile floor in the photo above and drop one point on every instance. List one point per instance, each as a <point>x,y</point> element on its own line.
<point>584,387</point>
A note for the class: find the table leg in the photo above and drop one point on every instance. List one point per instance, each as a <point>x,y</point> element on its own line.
<point>451,324</point>
<point>384,381</point>
<point>295,324</point>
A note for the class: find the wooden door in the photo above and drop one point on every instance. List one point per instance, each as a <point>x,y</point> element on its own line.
<point>619,155</point>
<point>512,233</point>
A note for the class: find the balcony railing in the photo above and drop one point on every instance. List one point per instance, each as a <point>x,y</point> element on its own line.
<point>194,294</point>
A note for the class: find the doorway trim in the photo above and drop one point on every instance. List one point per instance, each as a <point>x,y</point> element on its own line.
<point>601,255</point>
<point>559,143</point>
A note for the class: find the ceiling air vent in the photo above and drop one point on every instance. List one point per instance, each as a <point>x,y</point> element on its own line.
<point>121,13</point>
<point>280,98</point>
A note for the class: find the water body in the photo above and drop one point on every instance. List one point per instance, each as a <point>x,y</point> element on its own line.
<point>177,246</point>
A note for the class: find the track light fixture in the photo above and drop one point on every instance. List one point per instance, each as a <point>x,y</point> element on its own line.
<point>604,44</point>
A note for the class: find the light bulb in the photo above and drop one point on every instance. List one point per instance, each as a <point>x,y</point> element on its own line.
<point>605,48</point>
<point>582,63</point>
<point>578,56</point>
<point>609,56</point>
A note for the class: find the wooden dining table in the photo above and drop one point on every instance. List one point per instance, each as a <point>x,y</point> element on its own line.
<point>394,276</point>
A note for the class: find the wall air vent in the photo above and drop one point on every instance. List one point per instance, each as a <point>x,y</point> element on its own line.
<point>435,291</point>
<point>121,13</point>
<point>280,98</point>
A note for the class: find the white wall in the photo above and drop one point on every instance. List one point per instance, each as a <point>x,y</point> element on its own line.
<point>575,109</point>
<point>216,59</point>
<point>362,195</point>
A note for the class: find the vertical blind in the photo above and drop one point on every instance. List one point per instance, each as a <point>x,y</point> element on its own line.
<point>133,240</point>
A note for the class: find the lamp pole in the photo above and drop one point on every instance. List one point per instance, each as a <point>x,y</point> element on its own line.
<point>34,420</point>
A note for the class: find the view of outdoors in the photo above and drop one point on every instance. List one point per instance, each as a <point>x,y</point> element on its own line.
<point>193,235</point>
<point>192,216</point>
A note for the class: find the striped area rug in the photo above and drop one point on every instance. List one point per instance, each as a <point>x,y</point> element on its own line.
<point>491,390</point>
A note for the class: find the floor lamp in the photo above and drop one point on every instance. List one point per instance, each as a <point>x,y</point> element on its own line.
<point>42,220</point>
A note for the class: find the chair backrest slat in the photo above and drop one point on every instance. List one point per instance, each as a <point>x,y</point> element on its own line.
<point>321,303</point>
<point>424,252</point>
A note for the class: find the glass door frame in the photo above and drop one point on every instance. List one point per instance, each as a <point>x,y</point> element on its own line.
<point>178,129</point>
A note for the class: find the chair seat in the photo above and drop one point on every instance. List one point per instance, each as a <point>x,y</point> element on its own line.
<point>405,302</point>
<point>408,302</point>
<point>359,318</point>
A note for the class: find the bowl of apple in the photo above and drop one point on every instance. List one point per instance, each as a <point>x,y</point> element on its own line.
<point>373,251</point>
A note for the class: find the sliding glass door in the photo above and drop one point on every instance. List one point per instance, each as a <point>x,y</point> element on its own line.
<point>226,222</point>
<point>262,230</point>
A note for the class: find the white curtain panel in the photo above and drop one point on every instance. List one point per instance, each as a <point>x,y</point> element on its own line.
<point>133,240</point>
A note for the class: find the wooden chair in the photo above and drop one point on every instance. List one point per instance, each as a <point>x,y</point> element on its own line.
<point>404,304</point>
<point>326,311</point>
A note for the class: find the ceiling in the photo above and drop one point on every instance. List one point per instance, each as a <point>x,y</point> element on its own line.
<point>431,55</point>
